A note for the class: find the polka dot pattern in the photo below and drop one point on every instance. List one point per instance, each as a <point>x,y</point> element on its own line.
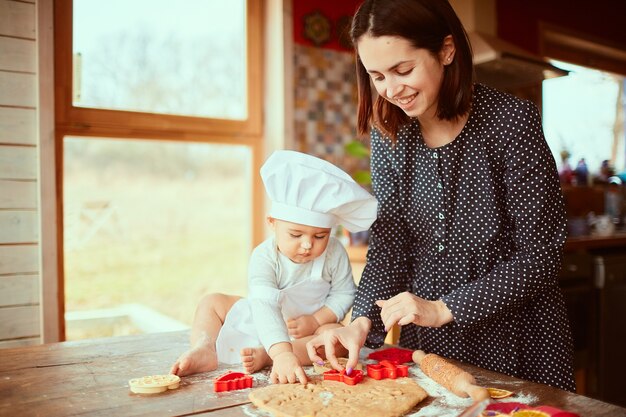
<point>480,224</point>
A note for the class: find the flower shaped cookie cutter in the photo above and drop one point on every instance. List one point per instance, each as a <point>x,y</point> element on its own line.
<point>387,370</point>
<point>154,384</point>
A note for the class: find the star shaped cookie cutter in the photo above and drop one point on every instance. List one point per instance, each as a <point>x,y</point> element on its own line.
<point>394,355</point>
<point>354,378</point>
<point>387,370</point>
<point>231,381</point>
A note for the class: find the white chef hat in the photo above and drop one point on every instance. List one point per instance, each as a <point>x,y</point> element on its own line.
<point>310,191</point>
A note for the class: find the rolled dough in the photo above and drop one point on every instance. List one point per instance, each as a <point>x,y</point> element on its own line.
<point>372,398</point>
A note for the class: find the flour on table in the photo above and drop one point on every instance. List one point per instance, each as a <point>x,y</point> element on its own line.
<point>434,410</point>
<point>519,397</point>
<point>326,397</point>
<point>252,411</point>
<point>262,378</point>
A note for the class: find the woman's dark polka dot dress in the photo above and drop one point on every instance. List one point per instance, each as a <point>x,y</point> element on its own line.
<point>480,224</point>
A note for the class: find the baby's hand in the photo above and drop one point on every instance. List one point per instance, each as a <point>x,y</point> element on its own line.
<point>302,326</point>
<point>287,369</point>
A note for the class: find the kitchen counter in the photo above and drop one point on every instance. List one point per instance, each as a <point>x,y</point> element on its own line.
<point>591,243</point>
<point>587,243</point>
<point>91,378</point>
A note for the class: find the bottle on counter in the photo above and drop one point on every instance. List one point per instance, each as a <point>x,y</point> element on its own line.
<point>613,199</point>
<point>566,173</point>
<point>581,172</point>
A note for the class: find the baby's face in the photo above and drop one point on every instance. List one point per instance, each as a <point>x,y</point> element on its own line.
<point>298,242</point>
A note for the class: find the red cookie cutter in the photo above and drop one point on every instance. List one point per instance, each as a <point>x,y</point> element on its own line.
<point>354,378</point>
<point>232,381</point>
<point>495,408</point>
<point>393,355</point>
<point>386,369</point>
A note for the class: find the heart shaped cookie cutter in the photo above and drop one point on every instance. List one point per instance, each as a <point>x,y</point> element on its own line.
<point>231,381</point>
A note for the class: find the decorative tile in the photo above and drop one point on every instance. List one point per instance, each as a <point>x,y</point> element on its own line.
<point>325,101</point>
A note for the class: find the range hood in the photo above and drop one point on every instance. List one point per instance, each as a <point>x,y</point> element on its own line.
<point>499,63</point>
<point>505,66</point>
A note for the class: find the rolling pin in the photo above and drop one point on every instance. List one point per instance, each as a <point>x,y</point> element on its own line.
<point>449,376</point>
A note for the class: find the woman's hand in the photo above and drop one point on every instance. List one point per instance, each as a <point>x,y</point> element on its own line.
<point>351,337</point>
<point>406,308</point>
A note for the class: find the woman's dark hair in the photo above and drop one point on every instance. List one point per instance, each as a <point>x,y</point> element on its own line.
<point>424,23</point>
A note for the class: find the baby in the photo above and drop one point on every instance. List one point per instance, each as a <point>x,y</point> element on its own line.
<point>300,280</point>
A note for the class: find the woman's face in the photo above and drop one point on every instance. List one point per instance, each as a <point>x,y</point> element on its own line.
<point>407,77</point>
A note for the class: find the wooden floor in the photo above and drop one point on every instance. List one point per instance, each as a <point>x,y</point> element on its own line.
<point>90,378</point>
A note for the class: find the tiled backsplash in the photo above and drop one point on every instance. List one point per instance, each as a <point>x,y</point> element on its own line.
<point>325,101</point>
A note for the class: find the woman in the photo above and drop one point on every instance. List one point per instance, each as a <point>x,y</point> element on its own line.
<point>469,238</point>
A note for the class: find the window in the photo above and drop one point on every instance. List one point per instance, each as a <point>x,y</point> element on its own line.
<point>583,113</point>
<point>581,116</point>
<point>148,227</point>
<point>94,117</point>
<point>158,132</point>
<point>160,56</point>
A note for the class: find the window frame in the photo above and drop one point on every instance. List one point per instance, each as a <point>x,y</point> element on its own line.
<point>119,123</point>
<point>105,123</point>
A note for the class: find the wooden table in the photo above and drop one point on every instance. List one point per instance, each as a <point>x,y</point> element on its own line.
<point>90,378</point>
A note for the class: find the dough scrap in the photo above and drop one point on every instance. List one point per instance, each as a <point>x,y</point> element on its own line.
<point>320,369</point>
<point>318,398</point>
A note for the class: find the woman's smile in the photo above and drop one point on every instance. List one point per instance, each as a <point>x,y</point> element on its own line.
<point>404,102</point>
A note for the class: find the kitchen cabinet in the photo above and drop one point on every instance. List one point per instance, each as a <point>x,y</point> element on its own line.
<point>593,279</point>
<point>577,283</point>
<point>610,277</point>
<point>357,256</point>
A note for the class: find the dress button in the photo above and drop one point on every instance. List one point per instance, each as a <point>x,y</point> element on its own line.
<point>440,247</point>
<point>439,185</point>
<point>435,155</point>
<point>441,216</point>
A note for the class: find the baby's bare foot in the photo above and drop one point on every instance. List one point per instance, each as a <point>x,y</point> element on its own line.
<point>201,358</point>
<point>254,359</point>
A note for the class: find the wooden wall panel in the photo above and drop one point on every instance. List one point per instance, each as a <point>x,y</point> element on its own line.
<point>17,19</point>
<point>19,227</point>
<point>52,329</point>
<point>17,89</point>
<point>28,341</point>
<point>18,194</point>
<point>17,55</point>
<point>18,290</point>
<point>18,126</point>
<point>18,162</point>
<point>21,321</point>
<point>19,259</point>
